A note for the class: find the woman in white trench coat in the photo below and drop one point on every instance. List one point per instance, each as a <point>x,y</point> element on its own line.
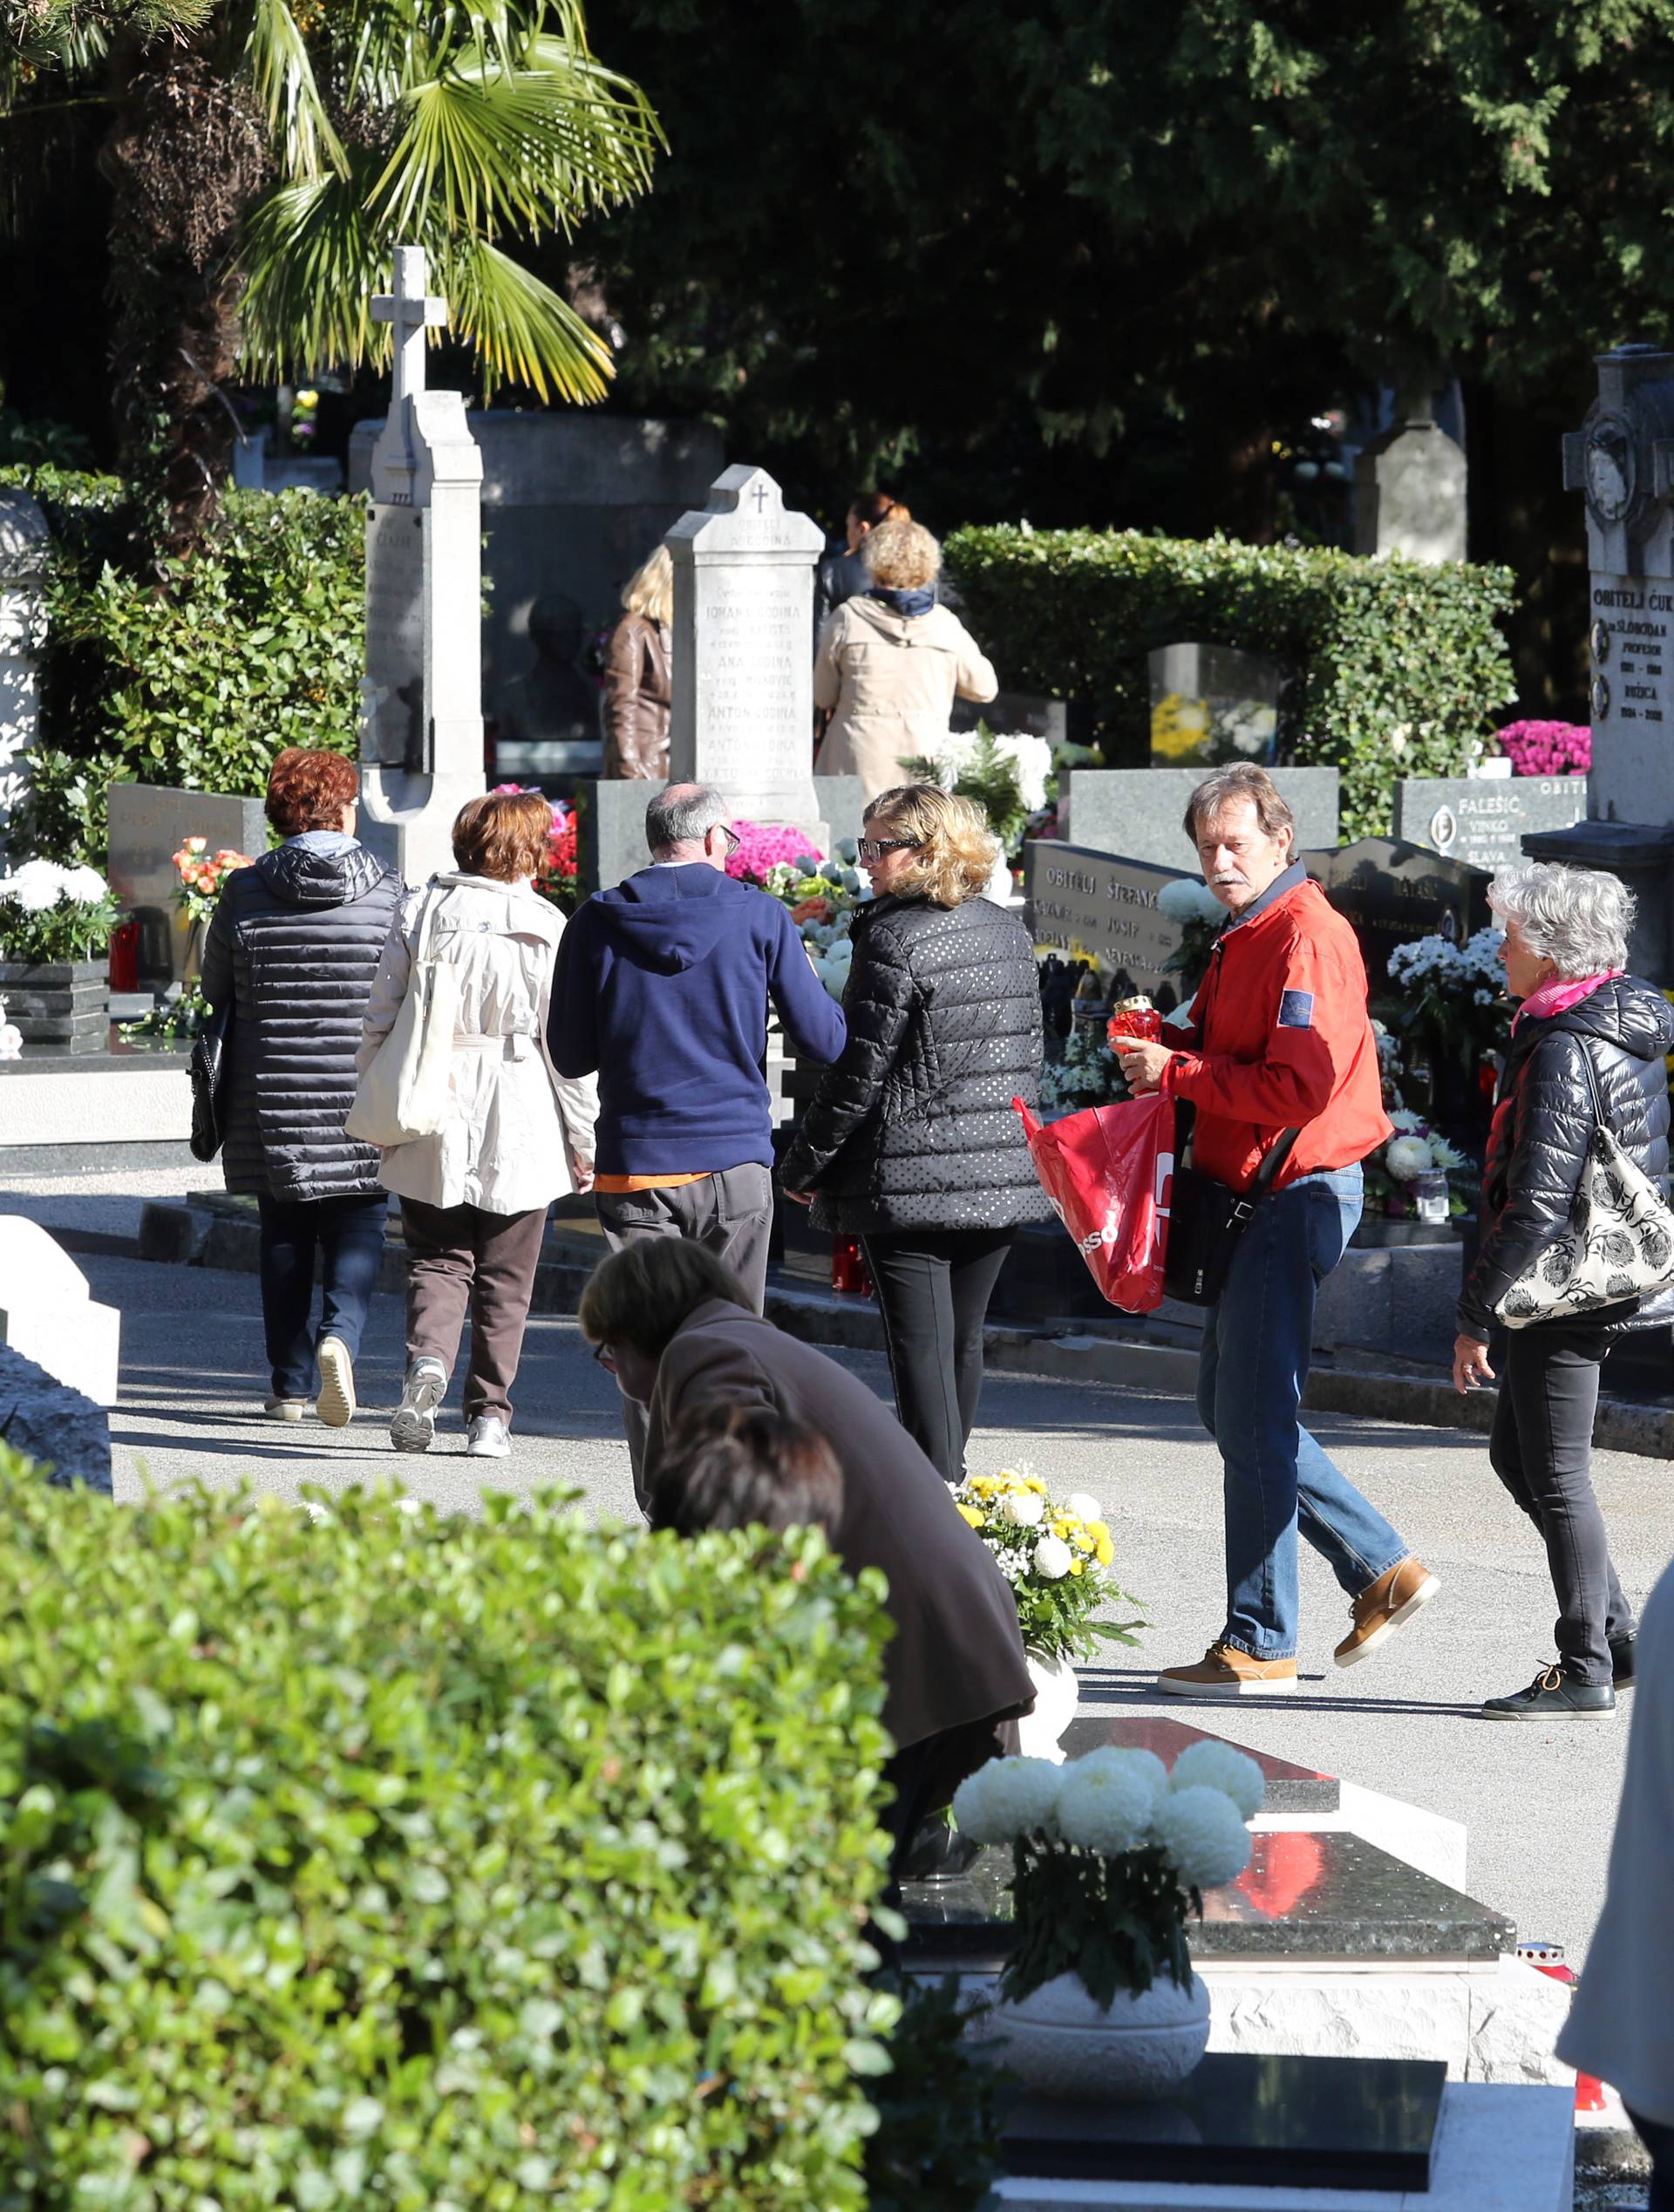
<point>474,1195</point>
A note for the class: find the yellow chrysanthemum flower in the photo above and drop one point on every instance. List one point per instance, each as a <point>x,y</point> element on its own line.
<point>1078,1566</point>
<point>1106,1551</point>
<point>970,1514</point>
<point>1034,1482</point>
<point>1083,1541</point>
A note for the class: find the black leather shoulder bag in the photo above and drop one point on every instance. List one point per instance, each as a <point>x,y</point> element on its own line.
<point>1206,1219</point>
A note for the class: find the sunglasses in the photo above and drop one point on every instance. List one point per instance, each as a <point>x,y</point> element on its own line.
<point>874,849</point>
<point>606,1357</point>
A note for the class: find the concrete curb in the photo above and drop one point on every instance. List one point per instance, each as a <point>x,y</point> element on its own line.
<point>222,1233</point>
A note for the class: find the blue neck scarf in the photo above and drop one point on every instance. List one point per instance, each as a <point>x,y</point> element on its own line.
<point>918,602</point>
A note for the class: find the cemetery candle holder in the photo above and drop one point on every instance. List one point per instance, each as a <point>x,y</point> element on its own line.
<point>1134,1018</point>
<point>848,1268</point>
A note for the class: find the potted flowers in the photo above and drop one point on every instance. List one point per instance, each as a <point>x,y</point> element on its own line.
<point>55,926</point>
<point>1057,1555</point>
<point>1111,1853</point>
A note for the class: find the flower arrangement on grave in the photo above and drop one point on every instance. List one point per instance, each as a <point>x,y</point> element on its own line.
<point>822,896</point>
<point>763,846</point>
<point>51,915</point>
<point>1546,748</point>
<point>1459,991</point>
<point>203,874</point>
<point>1416,1149</point>
<point>1004,773</point>
<point>560,878</point>
<point>1109,1854</point>
<point>1056,1553</point>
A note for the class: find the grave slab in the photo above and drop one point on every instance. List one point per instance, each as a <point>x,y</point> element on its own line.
<point>1103,906</point>
<point>1141,812</point>
<point>1483,821</point>
<point>1290,1788</point>
<point>1391,892</point>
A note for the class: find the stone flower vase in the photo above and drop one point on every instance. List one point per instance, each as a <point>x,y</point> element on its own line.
<point>1064,2045</point>
<point>1058,1695</point>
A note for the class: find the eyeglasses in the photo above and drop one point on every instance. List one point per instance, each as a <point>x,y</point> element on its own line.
<point>733,841</point>
<point>606,1357</point>
<point>874,849</point>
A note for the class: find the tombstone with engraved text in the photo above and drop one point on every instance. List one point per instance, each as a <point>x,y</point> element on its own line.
<point>1483,819</point>
<point>1099,907</point>
<point>742,714</point>
<point>1390,893</point>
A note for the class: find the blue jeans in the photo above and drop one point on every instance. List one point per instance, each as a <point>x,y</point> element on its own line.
<point>347,1236</point>
<point>1257,1339</point>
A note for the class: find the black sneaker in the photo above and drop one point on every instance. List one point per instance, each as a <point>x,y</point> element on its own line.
<point>1622,1660</point>
<point>1552,1695</point>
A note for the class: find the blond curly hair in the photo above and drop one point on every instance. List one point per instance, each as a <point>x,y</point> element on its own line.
<point>902,556</point>
<point>956,853</point>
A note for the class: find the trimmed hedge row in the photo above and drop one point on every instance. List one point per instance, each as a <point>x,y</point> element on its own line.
<point>428,1861</point>
<point>198,676</point>
<point>1397,668</point>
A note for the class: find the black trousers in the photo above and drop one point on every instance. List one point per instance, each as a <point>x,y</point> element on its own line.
<point>934,1286</point>
<point>1541,1449</point>
<point>1658,2140</point>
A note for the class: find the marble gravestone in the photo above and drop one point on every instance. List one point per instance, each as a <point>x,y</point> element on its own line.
<point>1141,812</point>
<point>1483,821</point>
<point>1212,703</point>
<point>1391,892</point>
<point>1098,906</point>
<point>421,740</point>
<point>1409,487</point>
<point>148,824</point>
<point>742,716</point>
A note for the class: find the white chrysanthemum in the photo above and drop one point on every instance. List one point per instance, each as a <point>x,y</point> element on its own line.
<point>1144,1766</point>
<point>1403,1118</point>
<point>86,884</point>
<point>1022,1508</point>
<point>1210,1765</point>
<point>1008,1798</point>
<point>1444,1154</point>
<point>35,886</point>
<point>1201,1831</point>
<point>1082,1507</point>
<point>1407,1158</point>
<point>1105,1807</point>
<point>1053,1558</point>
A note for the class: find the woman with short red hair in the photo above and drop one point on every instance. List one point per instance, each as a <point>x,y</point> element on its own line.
<point>474,1193</point>
<point>293,947</point>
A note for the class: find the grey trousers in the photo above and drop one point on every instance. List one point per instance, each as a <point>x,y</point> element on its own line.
<point>730,1212</point>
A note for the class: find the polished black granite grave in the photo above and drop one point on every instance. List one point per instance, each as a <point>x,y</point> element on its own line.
<point>1289,1788</point>
<point>1277,2123</point>
<point>1325,1895</point>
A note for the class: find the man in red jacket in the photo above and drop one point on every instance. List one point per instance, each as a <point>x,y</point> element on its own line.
<point>1278,1039</point>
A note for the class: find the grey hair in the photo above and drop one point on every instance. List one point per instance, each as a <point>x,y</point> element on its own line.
<point>1579,918</point>
<point>1241,779</point>
<point>683,814</point>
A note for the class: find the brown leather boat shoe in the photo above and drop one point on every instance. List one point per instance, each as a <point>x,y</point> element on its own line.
<point>1225,1672</point>
<point>1387,1604</point>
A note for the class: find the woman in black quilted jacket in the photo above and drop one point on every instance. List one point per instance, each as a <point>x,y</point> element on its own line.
<point>1587,1046</point>
<point>910,1142</point>
<point>293,947</point>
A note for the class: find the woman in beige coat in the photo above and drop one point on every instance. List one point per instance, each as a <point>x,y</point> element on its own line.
<point>474,1195</point>
<point>892,663</point>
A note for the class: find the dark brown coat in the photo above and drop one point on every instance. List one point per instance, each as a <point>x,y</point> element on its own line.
<point>957,1654</point>
<point>636,699</point>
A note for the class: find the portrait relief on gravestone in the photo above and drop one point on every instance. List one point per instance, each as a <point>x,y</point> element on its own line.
<point>1444,829</point>
<point>1610,470</point>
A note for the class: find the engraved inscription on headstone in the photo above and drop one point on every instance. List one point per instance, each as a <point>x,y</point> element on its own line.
<point>1390,892</point>
<point>1099,907</point>
<point>1631,664</point>
<point>393,699</point>
<point>1483,821</point>
<point>742,712</point>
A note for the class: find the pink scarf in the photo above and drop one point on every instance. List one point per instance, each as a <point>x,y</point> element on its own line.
<point>1562,993</point>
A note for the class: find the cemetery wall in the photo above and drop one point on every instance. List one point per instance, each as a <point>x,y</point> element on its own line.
<point>1395,667</point>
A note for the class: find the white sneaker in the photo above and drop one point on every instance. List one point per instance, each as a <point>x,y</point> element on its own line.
<point>415,1417</point>
<point>488,1439</point>
<point>336,1404</point>
<point>287,1409</point>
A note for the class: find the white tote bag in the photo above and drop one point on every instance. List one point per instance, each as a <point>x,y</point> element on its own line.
<point>404,1093</point>
<point>1619,1243</point>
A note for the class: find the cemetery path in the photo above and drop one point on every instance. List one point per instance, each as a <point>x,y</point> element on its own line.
<point>1539,1806</point>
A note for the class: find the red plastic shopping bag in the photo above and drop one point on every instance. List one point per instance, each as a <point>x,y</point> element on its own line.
<point>1108,1170</point>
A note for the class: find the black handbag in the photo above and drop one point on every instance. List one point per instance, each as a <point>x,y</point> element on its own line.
<point>209,1063</point>
<point>1206,1219</point>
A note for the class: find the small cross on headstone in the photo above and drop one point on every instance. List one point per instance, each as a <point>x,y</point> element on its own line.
<point>411,311</point>
<point>759,495</point>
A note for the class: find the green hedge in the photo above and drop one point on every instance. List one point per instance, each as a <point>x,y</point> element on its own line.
<point>198,676</point>
<point>1396,667</point>
<point>427,1861</point>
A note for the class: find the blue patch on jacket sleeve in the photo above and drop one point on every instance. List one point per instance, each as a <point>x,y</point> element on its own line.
<point>1296,1010</point>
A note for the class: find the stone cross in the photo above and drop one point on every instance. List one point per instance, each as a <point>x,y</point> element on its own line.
<point>421,745</point>
<point>742,714</point>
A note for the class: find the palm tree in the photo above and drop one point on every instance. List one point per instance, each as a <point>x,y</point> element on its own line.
<point>266,157</point>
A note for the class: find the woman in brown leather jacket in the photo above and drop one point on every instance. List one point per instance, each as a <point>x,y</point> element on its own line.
<point>636,692</point>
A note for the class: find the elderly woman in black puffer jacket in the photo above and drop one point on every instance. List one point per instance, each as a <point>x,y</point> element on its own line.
<point>293,947</point>
<point>910,1142</point>
<point>1584,1030</point>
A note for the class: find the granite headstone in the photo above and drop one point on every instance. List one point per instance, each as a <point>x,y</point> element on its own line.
<point>1211,703</point>
<point>1104,907</point>
<point>1484,820</point>
<point>148,823</point>
<point>1391,892</point>
<point>1141,811</point>
<point>1409,487</point>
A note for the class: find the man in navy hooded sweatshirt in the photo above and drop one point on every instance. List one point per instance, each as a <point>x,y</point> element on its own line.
<point>662,990</point>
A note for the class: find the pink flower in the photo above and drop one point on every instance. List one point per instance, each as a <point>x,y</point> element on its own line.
<point>764,845</point>
<point>1546,748</point>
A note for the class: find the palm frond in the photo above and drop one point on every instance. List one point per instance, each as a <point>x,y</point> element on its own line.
<point>523,331</point>
<point>313,267</point>
<point>282,78</point>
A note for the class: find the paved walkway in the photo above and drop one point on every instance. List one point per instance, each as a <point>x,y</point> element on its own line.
<point>1538,1806</point>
